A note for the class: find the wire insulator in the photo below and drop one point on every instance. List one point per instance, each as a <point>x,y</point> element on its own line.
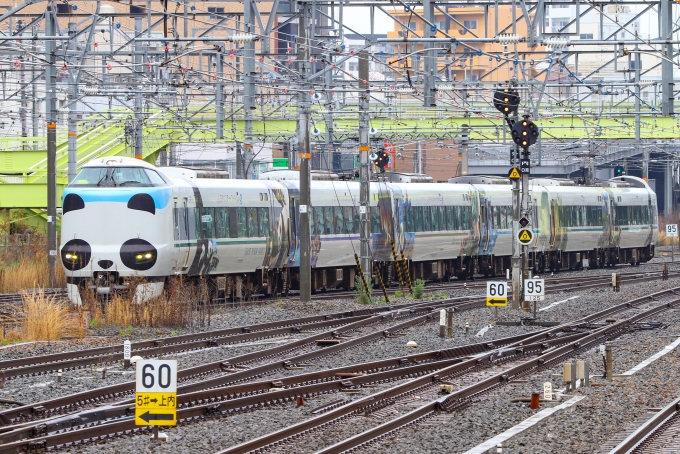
<point>510,38</point>
<point>404,90</point>
<point>242,38</point>
<point>556,42</point>
<point>445,87</point>
<point>90,90</point>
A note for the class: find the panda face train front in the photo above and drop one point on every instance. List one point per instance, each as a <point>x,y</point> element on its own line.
<point>116,224</point>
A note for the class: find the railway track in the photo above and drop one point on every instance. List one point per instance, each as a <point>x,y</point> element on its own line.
<point>218,395</point>
<point>658,435</point>
<point>456,400</point>
<point>105,355</point>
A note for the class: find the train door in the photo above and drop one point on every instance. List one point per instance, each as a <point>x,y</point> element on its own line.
<point>181,225</point>
<point>554,219</point>
<point>485,218</point>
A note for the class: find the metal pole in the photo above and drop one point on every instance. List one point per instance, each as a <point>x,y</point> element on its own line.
<point>464,150</point>
<point>219,95</point>
<point>666,18</point>
<point>430,64</point>
<point>72,96</point>
<point>364,177</point>
<point>51,113</point>
<point>305,155</point>
<point>139,117</point>
<point>35,110</point>
<point>516,262</point>
<point>249,89</point>
<point>525,249</point>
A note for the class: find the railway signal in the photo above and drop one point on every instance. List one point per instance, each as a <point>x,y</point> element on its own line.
<point>506,101</point>
<point>525,237</point>
<point>514,174</point>
<point>524,132</point>
<point>619,171</point>
<point>382,160</point>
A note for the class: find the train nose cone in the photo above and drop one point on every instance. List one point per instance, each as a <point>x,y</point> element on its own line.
<point>106,264</point>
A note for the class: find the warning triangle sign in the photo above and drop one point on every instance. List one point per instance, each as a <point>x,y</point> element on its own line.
<point>525,236</point>
<point>514,174</point>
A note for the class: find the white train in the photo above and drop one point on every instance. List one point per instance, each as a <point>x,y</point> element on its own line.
<point>124,218</point>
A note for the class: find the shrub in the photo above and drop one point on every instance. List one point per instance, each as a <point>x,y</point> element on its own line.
<point>399,294</point>
<point>363,295</point>
<point>418,288</point>
<point>44,317</point>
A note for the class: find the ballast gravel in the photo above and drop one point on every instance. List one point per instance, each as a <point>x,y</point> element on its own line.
<point>584,428</point>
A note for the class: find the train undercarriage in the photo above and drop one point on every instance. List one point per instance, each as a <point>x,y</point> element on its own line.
<point>279,282</point>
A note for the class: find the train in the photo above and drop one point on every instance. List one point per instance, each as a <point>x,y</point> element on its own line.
<point>123,219</point>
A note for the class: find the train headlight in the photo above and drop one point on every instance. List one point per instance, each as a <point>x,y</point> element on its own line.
<point>144,256</point>
<point>75,254</point>
<point>138,254</point>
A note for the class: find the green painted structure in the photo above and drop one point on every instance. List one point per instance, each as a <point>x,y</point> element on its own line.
<point>23,163</point>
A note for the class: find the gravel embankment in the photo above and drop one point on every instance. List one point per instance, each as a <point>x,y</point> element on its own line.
<point>603,412</point>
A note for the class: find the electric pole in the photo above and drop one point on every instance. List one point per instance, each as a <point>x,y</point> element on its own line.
<point>51,114</point>
<point>305,154</point>
<point>365,258</point>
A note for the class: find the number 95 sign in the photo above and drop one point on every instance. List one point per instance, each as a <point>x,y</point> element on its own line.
<point>534,290</point>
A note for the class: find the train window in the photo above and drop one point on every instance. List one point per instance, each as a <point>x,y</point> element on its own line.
<point>408,219</point>
<point>434,216</point>
<point>356,219</point>
<point>442,218</point>
<point>427,220</point>
<point>207,223</point>
<point>375,220</point>
<point>317,222</point>
<point>339,220</point>
<point>253,228</point>
<point>242,229</point>
<point>449,218</point>
<point>222,220</point>
<point>467,218</point>
<point>328,211</point>
<point>418,216</point>
<point>347,213</point>
<point>264,221</point>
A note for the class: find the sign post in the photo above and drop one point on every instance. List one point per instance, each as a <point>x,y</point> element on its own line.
<point>672,232</point>
<point>156,394</point>
<point>127,351</point>
<point>534,290</point>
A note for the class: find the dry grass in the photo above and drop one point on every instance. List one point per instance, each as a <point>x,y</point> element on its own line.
<point>177,307</point>
<point>24,265</point>
<point>43,317</point>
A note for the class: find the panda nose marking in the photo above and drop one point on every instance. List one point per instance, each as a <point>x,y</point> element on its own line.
<point>106,264</point>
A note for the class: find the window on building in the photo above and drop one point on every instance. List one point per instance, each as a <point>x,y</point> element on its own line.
<point>559,23</point>
<point>215,12</point>
<point>586,36</point>
<point>441,25</point>
<point>353,66</point>
<point>470,24</point>
<point>412,25</point>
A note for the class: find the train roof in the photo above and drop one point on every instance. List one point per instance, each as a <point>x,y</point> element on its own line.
<point>118,161</point>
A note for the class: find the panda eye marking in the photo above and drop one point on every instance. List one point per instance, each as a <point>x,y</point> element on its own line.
<point>142,202</point>
<point>72,202</point>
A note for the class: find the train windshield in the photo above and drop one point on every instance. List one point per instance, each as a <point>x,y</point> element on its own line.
<point>118,177</point>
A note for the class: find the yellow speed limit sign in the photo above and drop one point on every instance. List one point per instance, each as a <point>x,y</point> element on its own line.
<point>497,293</point>
<point>156,393</point>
